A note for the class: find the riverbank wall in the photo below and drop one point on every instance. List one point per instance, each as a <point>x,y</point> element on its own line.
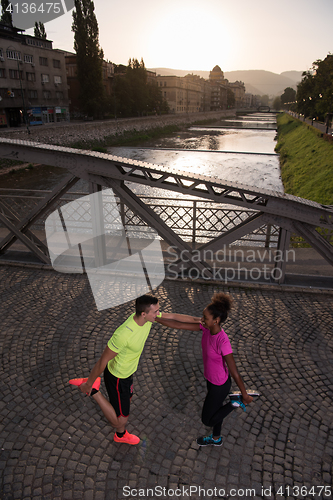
<point>66,134</point>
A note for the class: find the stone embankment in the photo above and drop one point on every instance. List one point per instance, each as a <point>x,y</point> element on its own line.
<point>65,134</point>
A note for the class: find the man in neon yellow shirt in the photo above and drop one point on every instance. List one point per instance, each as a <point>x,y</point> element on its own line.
<point>120,360</point>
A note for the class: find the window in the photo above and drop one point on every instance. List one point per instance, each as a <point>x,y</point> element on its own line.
<point>15,74</point>
<point>38,43</point>
<point>57,80</point>
<point>43,61</point>
<point>2,73</point>
<point>13,54</point>
<point>28,58</point>
<point>31,77</point>
<point>56,63</point>
<point>1,55</point>
<point>46,94</point>
<point>32,94</point>
<point>59,95</point>
<point>45,78</point>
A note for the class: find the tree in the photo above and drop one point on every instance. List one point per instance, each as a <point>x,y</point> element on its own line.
<point>6,15</point>
<point>305,89</point>
<point>277,103</point>
<point>315,91</point>
<point>323,87</point>
<point>133,95</point>
<point>137,77</point>
<point>39,30</point>
<point>288,96</point>
<point>89,58</point>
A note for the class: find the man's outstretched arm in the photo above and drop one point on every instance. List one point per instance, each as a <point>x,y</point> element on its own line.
<point>179,325</point>
<point>182,318</point>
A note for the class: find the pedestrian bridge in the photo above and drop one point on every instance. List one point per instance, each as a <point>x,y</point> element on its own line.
<point>263,210</point>
<point>264,109</point>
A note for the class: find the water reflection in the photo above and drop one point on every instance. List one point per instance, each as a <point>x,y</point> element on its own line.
<point>236,140</point>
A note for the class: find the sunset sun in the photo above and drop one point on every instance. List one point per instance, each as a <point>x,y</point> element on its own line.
<point>190,37</point>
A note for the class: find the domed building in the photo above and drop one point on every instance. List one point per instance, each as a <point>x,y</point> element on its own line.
<point>221,86</point>
<point>218,89</point>
<point>217,75</point>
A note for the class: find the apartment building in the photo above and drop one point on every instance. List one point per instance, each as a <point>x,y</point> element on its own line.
<point>191,93</point>
<point>251,101</point>
<point>33,80</point>
<point>238,89</point>
<point>182,94</point>
<point>219,85</point>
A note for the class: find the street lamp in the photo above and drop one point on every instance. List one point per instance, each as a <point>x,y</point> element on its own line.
<point>25,116</point>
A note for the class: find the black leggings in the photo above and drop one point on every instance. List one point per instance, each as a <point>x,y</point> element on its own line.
<point>213,411</point>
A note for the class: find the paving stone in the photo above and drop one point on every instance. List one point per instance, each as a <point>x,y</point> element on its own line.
<point>56,445</point>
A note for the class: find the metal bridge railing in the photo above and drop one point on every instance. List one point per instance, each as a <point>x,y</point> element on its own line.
<point>195,221</point>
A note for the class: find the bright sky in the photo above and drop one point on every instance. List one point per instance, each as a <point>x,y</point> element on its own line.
<point>272,35</point>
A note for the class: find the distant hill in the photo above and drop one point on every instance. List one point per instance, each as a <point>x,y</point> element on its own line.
<point>257,82</point>
<point>296,76</point>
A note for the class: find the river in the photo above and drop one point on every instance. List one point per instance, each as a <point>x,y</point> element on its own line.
<point>239,150</point>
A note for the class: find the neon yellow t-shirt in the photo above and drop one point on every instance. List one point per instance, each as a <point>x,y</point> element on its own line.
<point>128,342</point>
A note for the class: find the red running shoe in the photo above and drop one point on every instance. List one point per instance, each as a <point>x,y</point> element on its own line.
<point>80,381</point>
<point>127,438</point>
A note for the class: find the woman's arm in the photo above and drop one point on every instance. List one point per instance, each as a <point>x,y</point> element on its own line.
<point>97,370</point>
<point>237,378</point>
<point>171,323</point>
<point>183,318</point>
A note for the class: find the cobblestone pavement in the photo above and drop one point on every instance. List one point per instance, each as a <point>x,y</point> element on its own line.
<point>55,443</point>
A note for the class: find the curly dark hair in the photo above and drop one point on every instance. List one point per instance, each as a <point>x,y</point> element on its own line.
<point>220,306</point>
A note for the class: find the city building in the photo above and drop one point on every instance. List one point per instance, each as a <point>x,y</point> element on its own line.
<point>251,101</point>
<point>33,81</point>
<point>238,89</point>
<point>191,93</point>
<point>205,91</point>
<point>217,76</point>
<point>151,77</point>
<point>183,95</point>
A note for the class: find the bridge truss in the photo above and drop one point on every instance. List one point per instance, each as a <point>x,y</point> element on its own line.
<point>308,219</point>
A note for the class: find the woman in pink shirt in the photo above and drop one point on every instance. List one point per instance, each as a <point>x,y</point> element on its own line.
<point>219,364</point>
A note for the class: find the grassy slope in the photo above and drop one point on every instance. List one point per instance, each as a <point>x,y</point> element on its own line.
<point>306,161</point>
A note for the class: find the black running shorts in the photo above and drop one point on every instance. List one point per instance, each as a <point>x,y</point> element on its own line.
<point>120,391</point>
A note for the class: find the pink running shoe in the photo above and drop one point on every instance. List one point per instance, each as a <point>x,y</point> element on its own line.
<point>80,381</point>
<point>127,438</point>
